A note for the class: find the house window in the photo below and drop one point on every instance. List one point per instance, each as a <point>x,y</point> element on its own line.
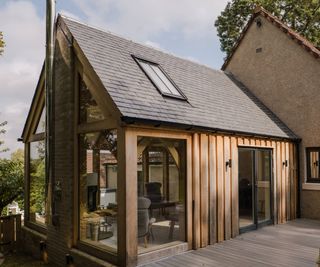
<point>161,192</point>
<point>160,79</point>
<point>313,165</point>
<point>36,194</point>
<point>89,109</point>
<point>98,189</point>
<point>42,123</point>
<point>98,173</point>
<point>37,184</point>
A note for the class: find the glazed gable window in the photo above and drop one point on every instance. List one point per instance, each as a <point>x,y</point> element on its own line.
<point>89,111</point>
<point>37,183</point>
<point>97,177</point>
<point>313,165</point>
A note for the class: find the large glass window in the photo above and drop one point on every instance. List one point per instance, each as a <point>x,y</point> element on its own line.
<point>89,109</point>
<point>37,194</point>
<point>98,189</point>
<point>42,122</point>
<point>161,192</point>
<point>313,165</point>
<point>255,179</point>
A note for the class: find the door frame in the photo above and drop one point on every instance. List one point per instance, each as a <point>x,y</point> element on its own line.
<point>256,225</point>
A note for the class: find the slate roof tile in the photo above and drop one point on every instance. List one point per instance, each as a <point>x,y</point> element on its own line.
<point>216,100</point>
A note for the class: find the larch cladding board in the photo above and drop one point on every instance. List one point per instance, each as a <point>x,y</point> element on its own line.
<point>215,184</point>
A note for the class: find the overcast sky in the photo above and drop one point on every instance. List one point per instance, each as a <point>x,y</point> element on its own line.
<point>182,27</point>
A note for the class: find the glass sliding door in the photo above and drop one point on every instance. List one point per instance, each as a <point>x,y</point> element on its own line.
<point>263,182</point>
<point>246,188</point>
<point>161,193</point>
<point>255,180</point>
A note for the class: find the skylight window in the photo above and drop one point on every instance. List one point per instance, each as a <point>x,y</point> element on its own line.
<point>160,79</point>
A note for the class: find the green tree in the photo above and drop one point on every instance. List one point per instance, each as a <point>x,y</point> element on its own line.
<point>11,175</point>
<point>2,43</point>
<point>302,16</point>
<point>37,178</point>
<point>18,155</point>
<point>11,181</point>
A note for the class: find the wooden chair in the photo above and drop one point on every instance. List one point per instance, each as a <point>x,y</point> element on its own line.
<point>154,191</point>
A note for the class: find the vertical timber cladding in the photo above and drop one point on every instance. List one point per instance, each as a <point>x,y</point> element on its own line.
<point>215,184</point>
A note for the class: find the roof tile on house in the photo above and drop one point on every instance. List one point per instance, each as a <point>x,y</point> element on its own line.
<point>216,101</point>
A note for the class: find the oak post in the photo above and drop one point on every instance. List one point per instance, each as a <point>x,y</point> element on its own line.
<point>127,197</point>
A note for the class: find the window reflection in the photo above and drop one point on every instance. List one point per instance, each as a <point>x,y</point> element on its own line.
<point>313,164</point>
<point>98,189</point>
<point>161,192</point>
<point>89,109</point>
<point>37,199</point>
<point>42,122</point>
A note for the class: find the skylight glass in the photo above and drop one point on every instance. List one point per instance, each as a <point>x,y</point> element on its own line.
<point>160,79</point>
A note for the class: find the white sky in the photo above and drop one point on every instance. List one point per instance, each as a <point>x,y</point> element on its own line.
<point>182,27</point>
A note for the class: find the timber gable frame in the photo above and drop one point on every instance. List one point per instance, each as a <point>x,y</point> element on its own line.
<point>29,135</point>
<point>211,185</point>
<point>34,114</point>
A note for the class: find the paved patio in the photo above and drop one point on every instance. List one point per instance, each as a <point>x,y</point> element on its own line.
<point>295,243</point>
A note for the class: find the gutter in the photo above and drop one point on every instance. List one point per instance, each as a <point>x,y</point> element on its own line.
<point>189,127</point>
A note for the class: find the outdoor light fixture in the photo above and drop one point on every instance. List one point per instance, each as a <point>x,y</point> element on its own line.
<point>43,246</point>
<point>43,250</point>
<point>285,163</point>
<point>69,259</point>
<point>229,163</point>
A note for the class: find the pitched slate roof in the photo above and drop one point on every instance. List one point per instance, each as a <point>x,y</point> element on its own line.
<point>306,44</point>
<point>216,100</point>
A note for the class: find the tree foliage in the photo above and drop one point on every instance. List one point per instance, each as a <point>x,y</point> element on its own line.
<point>2,43</point>
<point>37,178</point>
<point>11,181</point>
<point>302,16</point>
<point>11,175</point>
<point>2,131</point>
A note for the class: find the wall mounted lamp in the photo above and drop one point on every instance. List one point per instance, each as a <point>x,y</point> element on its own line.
<point>69,259</point>
<point>229,163</point>
<point>42,245</point>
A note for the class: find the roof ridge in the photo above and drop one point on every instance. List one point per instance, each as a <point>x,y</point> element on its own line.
<point>210,92</point>
<point>259,10</point>
<point>139,43</point>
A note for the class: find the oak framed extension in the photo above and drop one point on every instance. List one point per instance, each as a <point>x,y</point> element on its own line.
<point>109,113</point>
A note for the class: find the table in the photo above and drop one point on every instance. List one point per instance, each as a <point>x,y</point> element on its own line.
<point>161,205</point>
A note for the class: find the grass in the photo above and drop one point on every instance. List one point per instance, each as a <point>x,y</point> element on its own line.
<point>21,260</point>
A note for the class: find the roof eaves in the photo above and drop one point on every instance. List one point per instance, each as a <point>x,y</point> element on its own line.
<point>33,104</point>
<point>189,127</point>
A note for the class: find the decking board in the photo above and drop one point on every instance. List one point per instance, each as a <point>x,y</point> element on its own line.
<point>295,243</point>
